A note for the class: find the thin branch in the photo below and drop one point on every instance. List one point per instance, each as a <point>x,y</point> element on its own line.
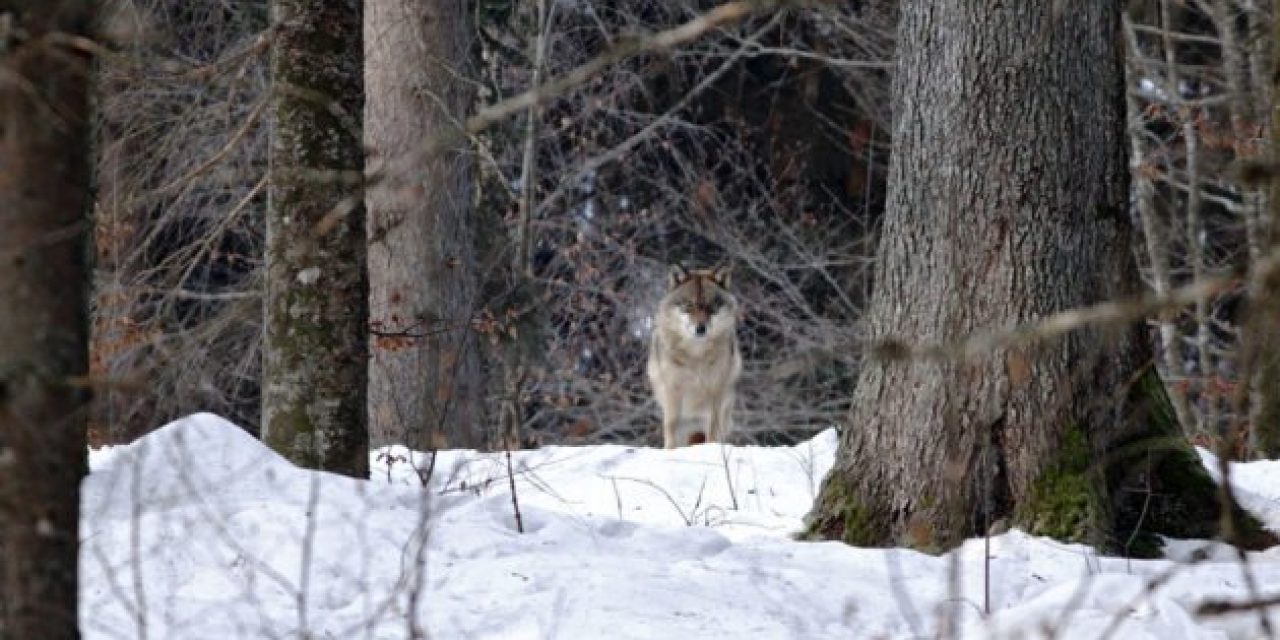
<point>1224,607</point>
<point>620,150</point>
<point>232,144</point>
<point>1058,324</point>
<point>721,16</point>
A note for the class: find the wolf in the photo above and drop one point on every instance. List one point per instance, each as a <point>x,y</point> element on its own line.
<point>694,360</point>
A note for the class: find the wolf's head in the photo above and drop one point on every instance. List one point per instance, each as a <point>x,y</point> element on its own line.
<point>698,304</point>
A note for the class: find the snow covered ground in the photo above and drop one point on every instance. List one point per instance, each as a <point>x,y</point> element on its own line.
<point>198,531</point>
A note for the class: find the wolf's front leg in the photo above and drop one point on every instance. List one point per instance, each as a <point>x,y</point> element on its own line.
<point>670,421</point>
<point>721,420</point>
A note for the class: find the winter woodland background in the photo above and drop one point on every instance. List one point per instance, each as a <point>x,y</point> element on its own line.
<point>514,249</point>
<point>764,141</point>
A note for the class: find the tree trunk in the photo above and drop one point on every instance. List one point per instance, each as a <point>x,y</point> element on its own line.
<point>1008,193</point>
<point>1261,344</point>
<point>314,362</point>
<point>44,193</point>
<point>425,387</point>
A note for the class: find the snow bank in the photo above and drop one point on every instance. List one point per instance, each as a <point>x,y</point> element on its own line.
<point>198,531</point>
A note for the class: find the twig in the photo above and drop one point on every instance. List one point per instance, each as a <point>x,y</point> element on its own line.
<point>308,549</point>
<point>417,588</point>
<point>1142,516</point>
<point>1056,325</point>
<point>528,168</point>
<point>231,145</point>
<point>688,519</point>
<point>1229,530</point>
<point>728,477</point>
<point>617,496</point>
<point>1224,607</point>
<point>949,615</point>
<point>515,500</point>
<point>618,151</point>
<point>723,15</point>
<point>1123,612</point>
<point>986,572</point>
<point>135,543</point>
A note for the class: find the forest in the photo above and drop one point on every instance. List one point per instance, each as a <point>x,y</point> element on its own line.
<point>376,318</point>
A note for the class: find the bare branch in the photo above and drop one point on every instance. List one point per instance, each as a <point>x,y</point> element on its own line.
<point>721,16</point>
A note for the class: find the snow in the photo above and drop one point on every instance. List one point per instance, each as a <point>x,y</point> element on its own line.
<point>199,531</point>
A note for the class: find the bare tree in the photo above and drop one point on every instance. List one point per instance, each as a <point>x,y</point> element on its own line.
<point>314,366</point>
<point>44,196</point>
<point>1008,192</point>
<point>762,140</point>
<point>425,381</point>
<point>1200,91</point>
<point>181,144</point>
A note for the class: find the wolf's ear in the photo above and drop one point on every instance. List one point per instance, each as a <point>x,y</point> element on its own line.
<point>722,273</point>
<point>677,275</point>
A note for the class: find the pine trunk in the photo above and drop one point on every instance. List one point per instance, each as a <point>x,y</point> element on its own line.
<point>314,364</point>
<point>44,193</point>
<point>1008,196</point>
<point>424,371</point>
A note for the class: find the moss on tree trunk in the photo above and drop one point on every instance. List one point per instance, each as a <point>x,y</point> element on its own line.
<point>1157,485</point>
<point>1068,500</point>
<point>314,355</point>
<point>1121,500</point>
<point>1007,200</point>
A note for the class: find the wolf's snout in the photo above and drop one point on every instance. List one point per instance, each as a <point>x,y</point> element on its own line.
<point>701,330</point>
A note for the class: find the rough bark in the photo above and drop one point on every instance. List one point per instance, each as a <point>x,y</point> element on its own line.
<point>314,364</point>
<point>425,386</point>
<point>1261,342</point>
<point>44,191</point>
<point>1007,201</point>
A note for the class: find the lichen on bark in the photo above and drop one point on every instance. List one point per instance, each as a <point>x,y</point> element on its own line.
<point>314,352</point>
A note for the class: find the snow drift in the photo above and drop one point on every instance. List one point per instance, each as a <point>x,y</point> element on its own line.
<point>199,531</point>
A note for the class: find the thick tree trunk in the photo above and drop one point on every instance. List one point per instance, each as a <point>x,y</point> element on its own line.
<point>1007,202</point>
<point>425,387</point>
<point>44,192</point>
<point>314,364</point>
<point>1261,344</point>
